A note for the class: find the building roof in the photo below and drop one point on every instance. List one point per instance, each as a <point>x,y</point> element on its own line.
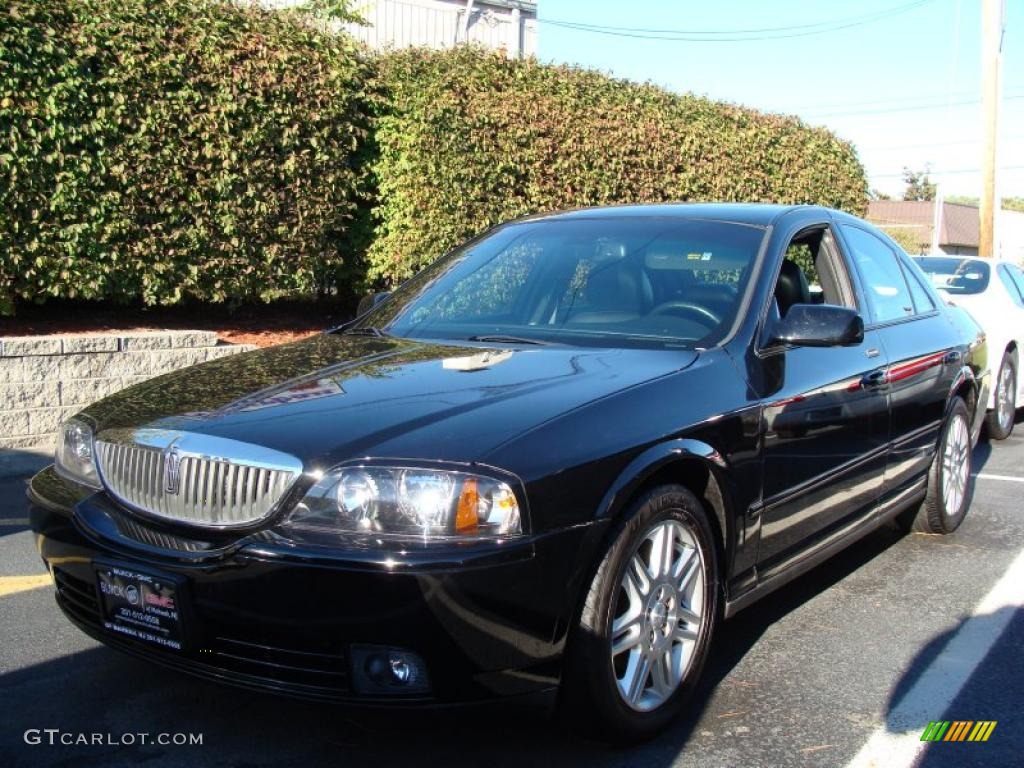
<point>959,222</point>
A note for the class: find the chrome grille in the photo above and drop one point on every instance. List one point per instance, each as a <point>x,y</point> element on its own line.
<point>212,482</point>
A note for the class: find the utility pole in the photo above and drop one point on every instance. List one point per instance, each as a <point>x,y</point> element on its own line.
<point>937,204</point>
<point>991,68</point>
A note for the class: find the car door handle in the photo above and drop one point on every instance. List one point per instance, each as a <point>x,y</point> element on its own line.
<point>875,379</point>
<point>873,352</point>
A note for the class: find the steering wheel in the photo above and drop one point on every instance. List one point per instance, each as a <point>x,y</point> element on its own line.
<point>702,314</point>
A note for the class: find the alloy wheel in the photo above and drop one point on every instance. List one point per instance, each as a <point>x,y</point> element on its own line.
<point>658,615</point>
<point>955,465</point>
<point>1005,405</point>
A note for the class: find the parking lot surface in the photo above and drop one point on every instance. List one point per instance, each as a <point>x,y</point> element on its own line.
<point>897,631</point>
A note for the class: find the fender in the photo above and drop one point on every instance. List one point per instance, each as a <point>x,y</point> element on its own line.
<point>966,375</point>
<point>650,461</point>
<point>637,472</point>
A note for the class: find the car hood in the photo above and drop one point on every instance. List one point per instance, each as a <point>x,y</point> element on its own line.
<point>334,397</point>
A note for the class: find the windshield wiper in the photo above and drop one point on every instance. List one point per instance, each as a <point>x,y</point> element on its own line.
<point>503,339</point>
<point>366,330</point>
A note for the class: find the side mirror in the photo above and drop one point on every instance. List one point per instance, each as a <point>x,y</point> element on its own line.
<point>818,325</point>
<point>369,301</point>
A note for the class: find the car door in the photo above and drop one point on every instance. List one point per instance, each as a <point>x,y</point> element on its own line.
<point>825,429</point>
<point>922,349</point>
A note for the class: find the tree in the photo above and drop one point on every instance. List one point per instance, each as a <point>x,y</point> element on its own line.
<point>877,194</point>
<point>919,185</point>
<point>1009,203</point>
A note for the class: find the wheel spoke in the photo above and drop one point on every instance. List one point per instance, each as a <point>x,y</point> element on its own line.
<point>635,679</point>
<point>638,576</point>
<point>690,569</point>
<point>661,674</point>
<point>626,633</point>
<point>688,615</point>
<point>662,546</point>
<point>684,632</point>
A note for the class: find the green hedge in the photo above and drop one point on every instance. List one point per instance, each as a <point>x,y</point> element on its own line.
<point>468,139</point>
<point>167,149</point>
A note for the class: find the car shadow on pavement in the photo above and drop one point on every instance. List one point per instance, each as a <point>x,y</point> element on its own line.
<point>993,692</point>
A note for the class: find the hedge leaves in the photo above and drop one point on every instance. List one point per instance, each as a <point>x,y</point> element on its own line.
<point>165,150</point>
<point>468,139</point>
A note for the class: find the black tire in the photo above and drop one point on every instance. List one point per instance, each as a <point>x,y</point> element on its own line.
<point>934,516</point>
<point>1000,419</point>
<point>590,696</point>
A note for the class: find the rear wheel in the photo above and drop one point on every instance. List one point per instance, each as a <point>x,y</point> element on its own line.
<point>645,628</point>
<point>1001,417</point>
<point>949,480</point>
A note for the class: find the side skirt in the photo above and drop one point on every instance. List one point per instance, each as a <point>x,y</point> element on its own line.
<point>808,559</point>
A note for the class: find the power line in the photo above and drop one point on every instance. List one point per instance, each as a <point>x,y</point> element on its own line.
<point>736,35</point>
<point>1011,137</point>
<point>913,108</point>
<point>894,100</point>
<point>938,172</point>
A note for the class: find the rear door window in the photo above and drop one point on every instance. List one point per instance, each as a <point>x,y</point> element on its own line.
<point>923,301</point>
<point>888,295</point>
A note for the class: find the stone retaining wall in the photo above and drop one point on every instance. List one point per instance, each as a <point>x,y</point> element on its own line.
<point>45,379</point>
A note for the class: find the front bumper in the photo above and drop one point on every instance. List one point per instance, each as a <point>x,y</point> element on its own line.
<point>268,615</point>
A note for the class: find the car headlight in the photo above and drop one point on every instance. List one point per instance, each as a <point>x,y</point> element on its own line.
<point>74,458</point>
<point>430,503</point>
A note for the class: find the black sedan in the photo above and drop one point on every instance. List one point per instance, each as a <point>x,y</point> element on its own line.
<point>554,460</point>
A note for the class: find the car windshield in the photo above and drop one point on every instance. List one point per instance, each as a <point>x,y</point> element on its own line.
<point>614,282</point>
<point>956,275</point>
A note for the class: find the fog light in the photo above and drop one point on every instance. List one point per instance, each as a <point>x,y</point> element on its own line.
<point>383,670</point>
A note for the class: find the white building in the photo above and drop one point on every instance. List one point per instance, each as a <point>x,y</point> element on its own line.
<point>509,25</point>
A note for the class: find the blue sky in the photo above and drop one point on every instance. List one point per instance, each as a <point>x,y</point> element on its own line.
<point>905,88</point>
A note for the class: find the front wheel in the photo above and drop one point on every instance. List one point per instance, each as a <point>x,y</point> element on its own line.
<point>645,628</point>
<point>949,480</point>
<point>1001,418</point>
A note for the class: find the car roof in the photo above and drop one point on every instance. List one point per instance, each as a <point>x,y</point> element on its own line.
<point>758,214</point>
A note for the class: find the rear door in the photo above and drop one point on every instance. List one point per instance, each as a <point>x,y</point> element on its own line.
<point>922,351</point>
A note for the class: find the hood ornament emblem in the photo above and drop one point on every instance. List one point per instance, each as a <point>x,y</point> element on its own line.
<point>172,470</point>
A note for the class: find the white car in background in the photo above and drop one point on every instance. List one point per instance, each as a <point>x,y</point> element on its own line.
<point>993,292</point>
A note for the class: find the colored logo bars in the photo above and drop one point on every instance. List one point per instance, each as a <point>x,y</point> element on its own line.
<point>958,730</point>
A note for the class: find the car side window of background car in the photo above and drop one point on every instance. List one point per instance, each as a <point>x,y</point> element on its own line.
<point>1013,287</point>
<point>1018,277</point>
<point>888,296</point>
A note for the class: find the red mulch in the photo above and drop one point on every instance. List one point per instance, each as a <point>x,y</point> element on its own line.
<point>262,325</point>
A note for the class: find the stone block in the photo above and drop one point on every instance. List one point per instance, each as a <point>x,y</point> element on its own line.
<point>148,340</point>
<point>17,346</point>
<point>93,343</point>
<point>29,394</point>
<point>14,423</point>
<point>81,392</point>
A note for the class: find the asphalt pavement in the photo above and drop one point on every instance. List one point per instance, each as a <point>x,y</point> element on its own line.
<point>844,666</point>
